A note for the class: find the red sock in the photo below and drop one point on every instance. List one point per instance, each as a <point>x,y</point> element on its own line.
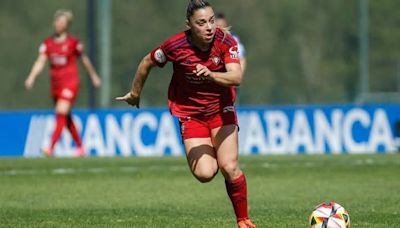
<point>74,132</point>
<point>61,121</point>
<point>237,191</point>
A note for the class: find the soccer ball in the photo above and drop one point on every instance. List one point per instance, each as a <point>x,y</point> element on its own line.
<point>329,215</point>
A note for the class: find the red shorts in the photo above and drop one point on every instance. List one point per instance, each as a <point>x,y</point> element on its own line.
<point>66,93</point>
<point>201,128</point>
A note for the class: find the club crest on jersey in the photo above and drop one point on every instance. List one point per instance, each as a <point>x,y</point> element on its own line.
<point>64,48</point>
<point>234,52</point>
<point>216,60</point>
<point>159,56</point>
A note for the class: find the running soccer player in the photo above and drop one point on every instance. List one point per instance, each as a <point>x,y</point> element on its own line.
<point>201,95</point>
<point>62,50</point>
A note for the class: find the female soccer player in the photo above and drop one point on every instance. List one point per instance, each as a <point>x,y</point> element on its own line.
<point>201,94</point>
<point>62,49</point>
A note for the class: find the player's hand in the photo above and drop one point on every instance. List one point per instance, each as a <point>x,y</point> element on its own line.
<point>29,83</point>
<point>202,70</point>
<point>96,81</point>
<point>130,98</point>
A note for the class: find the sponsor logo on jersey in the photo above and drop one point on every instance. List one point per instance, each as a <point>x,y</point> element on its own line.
<point>234,52</point>
<point>194,79</point>
<point>58,60</point>
<point>160,56</point>
<point>216,60</point>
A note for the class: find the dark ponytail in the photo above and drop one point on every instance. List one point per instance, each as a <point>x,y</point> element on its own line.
<point>195,5</point>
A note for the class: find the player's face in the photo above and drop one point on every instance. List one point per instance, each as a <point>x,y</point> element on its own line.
<point>60,24</point>
<point>202,24</point>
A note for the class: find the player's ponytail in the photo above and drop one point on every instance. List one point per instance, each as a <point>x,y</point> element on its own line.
<point>195,5</point>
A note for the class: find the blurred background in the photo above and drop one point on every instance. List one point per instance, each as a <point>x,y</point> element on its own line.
<point>298,51</point>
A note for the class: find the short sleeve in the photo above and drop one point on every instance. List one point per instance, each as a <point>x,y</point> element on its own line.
<point>166,52</point>
<point>159,56</point>
<point>43,48</point>
<point>231,54</point>
<point>241,48</point>
<point>79,48</point>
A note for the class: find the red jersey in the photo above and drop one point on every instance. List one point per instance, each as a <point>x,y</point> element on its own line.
<point>62,57</point>
<point>189,94</point>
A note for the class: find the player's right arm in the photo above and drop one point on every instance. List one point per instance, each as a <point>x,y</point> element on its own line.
<point>143,70</point>
<point>37,68</point>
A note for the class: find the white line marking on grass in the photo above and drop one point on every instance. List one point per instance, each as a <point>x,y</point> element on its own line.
<point>128,169</point>
<point>175,168</point>
<point>315,164</point>
<point>62,171</point>
<point>268,165</point>
<point>94,170</point>
<point>178,168</point>
<point>184,167</point>
<point>10,173</point>
<point>20,172</point>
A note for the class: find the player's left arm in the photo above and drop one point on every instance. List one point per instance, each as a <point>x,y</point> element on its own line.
<point>232,76</point>
<point>242,55</point>
<point>94,77</point>
<point>96,81</point>
<point>243,63</point>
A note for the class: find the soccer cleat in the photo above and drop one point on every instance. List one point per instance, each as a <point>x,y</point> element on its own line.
<point>80,152</point>
<point>246,224</point>
<point>48,152</point>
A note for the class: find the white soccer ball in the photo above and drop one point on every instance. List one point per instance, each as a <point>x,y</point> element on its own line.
<point>329,215</point>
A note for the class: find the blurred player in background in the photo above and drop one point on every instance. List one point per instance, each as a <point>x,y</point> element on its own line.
<point>62,50</point>
<point>201,94</point>
<point>222,23</point>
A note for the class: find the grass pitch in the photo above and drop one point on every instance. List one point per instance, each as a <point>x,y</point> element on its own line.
<point>161,192</point>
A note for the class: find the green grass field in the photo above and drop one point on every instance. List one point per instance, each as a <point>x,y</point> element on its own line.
<point>161,192</point>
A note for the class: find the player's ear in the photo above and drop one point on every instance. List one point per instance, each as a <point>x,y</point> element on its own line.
<point>187,24</point>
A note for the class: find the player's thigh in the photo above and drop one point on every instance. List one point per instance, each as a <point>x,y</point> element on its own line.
<point>225,141</point>
<point>225,138</point>
<point>201,155</point>
<point>65,98</point>
<point>63,106</point>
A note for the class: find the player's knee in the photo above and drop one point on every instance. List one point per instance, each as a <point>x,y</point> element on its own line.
<point>230,169</point>
<point>205,175</point>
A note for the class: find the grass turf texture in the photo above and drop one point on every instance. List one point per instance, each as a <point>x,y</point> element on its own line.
<point>161,192</point>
